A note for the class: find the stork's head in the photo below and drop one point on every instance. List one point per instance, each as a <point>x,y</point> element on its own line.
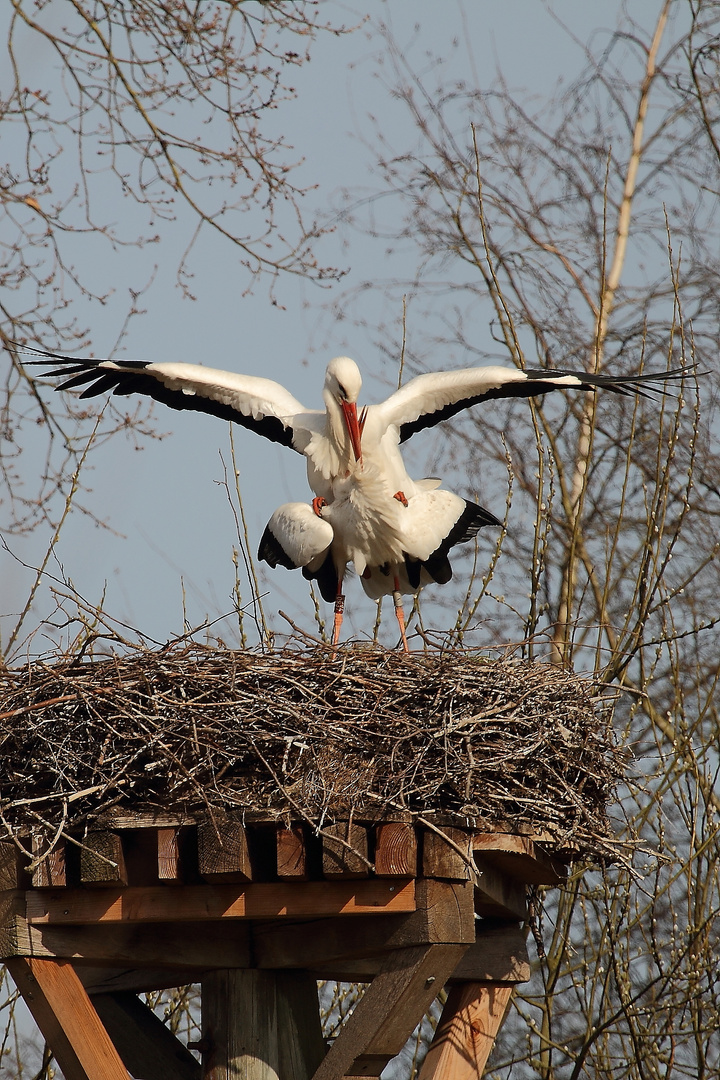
<point>341,391</point>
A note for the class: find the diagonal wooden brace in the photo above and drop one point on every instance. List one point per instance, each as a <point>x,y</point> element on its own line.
<point>466,1032</point>
<point>390,1009</point>
<point>66,1017</point>
<point>148,1048</point>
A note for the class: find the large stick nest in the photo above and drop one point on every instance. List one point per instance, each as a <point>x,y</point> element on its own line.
<point>502,744</point>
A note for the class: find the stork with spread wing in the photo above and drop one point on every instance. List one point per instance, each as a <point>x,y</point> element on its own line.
<point>397,532</point>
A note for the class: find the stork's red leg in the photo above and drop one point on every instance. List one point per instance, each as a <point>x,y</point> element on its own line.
<point>339,609</point>
<point>400,613</point>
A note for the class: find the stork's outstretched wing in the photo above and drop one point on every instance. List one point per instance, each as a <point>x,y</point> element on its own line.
<point>429,399</point>
<point>259,404</point>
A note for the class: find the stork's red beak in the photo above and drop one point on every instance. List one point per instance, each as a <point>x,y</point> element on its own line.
<point>354,426</point>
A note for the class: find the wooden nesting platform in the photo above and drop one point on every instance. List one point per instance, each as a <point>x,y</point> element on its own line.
<point>257,911</point>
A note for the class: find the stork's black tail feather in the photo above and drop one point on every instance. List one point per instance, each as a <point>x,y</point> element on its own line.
<point>326,577</point>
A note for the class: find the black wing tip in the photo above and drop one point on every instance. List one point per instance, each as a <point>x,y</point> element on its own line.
<point>644,384</point>
<point>45,355</point>
<point>271,551</point>
<point>473,518</point>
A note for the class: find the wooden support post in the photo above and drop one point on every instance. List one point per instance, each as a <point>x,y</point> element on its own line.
<point>66,1017</point>
<point>389,1010</point>
<point>465,1035</point>
<point>260,1026</point>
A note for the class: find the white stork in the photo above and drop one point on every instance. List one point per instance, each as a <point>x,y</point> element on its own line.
<point>397,532</point>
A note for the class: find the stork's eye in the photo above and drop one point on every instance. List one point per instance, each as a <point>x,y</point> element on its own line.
<point>342,392</point>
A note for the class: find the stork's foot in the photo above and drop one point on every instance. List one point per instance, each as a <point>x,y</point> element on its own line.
<point>401,498</point>
<point>318,503</point>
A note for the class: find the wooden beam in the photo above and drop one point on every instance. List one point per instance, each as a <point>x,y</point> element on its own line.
<point>197,903</point>
<point>223,853</point>
<point>389,1010</point>
<point>497,894</point>
<point>13,924</point>
<point>519,857</point>
<point>51,872</point>
<point>499,955</point>
<point>65,1015</point>
<point>168,853</point>
<point>12,873</point>
<point>101,859</point>
<point>395,849</point>
<point>147,1047</point>
<point>257,1025</point>
<point>444,915</point>
<point>465,1035</point>
<point>211,944</point>
<point>448,854</point>
<point>291,852</point>
<point>345,850</point>
<point>100,980</point>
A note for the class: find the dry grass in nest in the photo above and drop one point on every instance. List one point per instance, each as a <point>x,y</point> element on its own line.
<point>500,744</point>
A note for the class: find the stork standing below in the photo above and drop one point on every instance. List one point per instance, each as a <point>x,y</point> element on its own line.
<point>397,532</point>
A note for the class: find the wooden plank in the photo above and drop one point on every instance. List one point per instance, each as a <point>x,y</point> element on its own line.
<point>101,980</point>
<point>169,945</point>
<point>465,1035</point>
<point>183,903</point>
<point>345,850</point>
<point>65,1015</point>
<point>223,853</point>
<point>168,853</point>
<point>51,872</point>
<point>453,860</point>
<point>101,859</point>
<point>497,894</point>
<point>291,852</point>
<point>499,955</point>
<point>395,849</point>
<point>445,915</point>
<point>147,819</point>
<point>519,857</point>
<point>147,1047</point>
<point>389,1010</point>
<point>260,1025</point>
